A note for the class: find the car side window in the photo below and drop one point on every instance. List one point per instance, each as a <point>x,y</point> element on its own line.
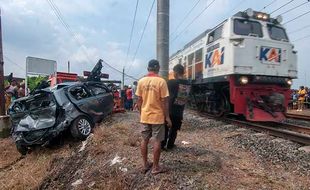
<point>79,92</point>
<point>97,89</point>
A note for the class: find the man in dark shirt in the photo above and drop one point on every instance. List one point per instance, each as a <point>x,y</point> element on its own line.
<point>179,91</point>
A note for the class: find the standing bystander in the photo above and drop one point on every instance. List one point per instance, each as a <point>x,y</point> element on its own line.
<point>301,98</point>
<point>129,98</point>
<point>134,97</point>
<point>179,91</point>
<point>153,104</point>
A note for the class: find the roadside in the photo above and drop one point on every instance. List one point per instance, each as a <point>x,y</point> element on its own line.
<point>209,155</point>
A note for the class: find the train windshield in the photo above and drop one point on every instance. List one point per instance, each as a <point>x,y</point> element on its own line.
<point>277,33</point>
<point>247,28</point>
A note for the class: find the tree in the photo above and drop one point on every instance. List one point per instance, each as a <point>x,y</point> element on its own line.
<point>34,81</point>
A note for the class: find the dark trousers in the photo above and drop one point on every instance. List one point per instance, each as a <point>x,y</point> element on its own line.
<point>171,133</point>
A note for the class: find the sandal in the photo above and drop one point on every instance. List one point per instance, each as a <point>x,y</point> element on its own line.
<point>146,169</point>
<point>160,170</point>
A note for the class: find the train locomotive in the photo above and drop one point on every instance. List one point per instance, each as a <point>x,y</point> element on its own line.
<point>244,66</point>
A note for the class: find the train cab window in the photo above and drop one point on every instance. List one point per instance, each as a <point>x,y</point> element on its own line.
<point>215,35</point>
<point>247,28</point>
<point>191,59</point>
<point>198,55</point>
<point>277,33</point>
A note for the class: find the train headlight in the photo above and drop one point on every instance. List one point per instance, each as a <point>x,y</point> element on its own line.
<point>249,12</point>
<point>265,17</point>
<point>289,82</point>
<point>259,16</point>
<point>244,80</point>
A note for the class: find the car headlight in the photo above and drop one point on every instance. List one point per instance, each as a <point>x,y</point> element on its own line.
<point>289,82</point>
<point>244,80</point>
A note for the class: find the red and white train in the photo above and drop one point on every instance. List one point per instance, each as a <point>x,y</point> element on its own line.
<point>244,65</point>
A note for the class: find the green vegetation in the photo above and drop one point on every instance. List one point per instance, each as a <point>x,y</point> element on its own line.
<point>34,81</point>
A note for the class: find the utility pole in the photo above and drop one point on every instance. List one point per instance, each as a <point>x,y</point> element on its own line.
<point>2,100</point>
<point>162,44</point>
<point>68,66</point>
<point>123,78</point>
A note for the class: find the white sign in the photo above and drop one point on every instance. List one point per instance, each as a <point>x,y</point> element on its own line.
<point>39,66</point>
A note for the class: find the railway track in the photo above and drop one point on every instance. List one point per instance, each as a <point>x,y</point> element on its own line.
<point>297,116</point>
<point>296,133</point>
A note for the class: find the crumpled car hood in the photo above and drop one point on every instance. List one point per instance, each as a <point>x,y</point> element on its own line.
<point>34,113</point>
<point>41,122</point>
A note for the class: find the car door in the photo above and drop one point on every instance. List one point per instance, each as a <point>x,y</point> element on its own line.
<point>85,101</point>
<point>103,96</point>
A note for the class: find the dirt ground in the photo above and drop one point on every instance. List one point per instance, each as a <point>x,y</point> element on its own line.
<point>204,158</point>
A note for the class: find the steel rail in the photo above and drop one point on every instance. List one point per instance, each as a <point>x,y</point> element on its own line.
<point>297,116</point>
<point>294,133</point>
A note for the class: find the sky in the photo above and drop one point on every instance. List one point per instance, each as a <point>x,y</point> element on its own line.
<point>102,30</point>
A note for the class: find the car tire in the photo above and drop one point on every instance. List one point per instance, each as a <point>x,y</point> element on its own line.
<point>81,127</point>
<point>22,149</point>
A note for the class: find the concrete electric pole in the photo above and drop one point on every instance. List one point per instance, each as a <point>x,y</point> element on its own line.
<point>162,44</point>
<point>2,100</point>
<point>123,78</point>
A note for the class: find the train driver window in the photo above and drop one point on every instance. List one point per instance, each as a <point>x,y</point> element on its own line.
<point>215,35</point>
<point>248,28</point>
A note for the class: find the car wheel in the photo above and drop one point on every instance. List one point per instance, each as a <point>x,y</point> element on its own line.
<point>22,149</point>
<point>81,127</point>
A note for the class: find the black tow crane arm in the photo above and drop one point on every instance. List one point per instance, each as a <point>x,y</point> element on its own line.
<point>95,74</point>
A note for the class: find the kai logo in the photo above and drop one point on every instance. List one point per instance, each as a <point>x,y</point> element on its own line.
<point>270,54</point>
<point>215,57</point>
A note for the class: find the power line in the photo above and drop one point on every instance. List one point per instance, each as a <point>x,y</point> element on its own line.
<point>193,21</point>
<point>70,31</point>
<point>282,6</point>
<point>297,17</point>
<point>188,13</point>
<point>142,35</point>
<point>294,8</point>
<point>131,33</point>
<point>238,4</point>
<point>119,70</point>
<point>268,5</point>
<point>67,27</point>
<point>299,29</point>
<point>10,60</point>
<point>301,38</point>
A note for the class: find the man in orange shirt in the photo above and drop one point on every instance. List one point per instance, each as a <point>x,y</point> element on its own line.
<point>153,104</point>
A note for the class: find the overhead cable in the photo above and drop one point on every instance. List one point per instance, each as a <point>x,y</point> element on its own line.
<point>131,32</point>
<point>299,29</point>
<point>297,17</point>
<point>268,5</point>
<point>185,17</point>
<point>282,6</point>
<point>142,35</point>
<point>192,21</point>
<point>294,8</point>
<point>301,38</point>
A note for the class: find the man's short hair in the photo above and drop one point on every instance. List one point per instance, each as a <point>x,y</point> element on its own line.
<point>179,69</point>
<point>153,65</point>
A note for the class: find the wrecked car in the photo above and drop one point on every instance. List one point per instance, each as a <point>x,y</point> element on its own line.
<point>44,115</point>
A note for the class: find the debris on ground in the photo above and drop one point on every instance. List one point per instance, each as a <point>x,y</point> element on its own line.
<point>216,155</point>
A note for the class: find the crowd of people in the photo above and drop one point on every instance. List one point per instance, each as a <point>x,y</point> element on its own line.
<point>13,91</point>
<point>300,99</point>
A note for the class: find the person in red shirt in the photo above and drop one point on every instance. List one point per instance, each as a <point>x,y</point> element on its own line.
<point>129,98</point>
